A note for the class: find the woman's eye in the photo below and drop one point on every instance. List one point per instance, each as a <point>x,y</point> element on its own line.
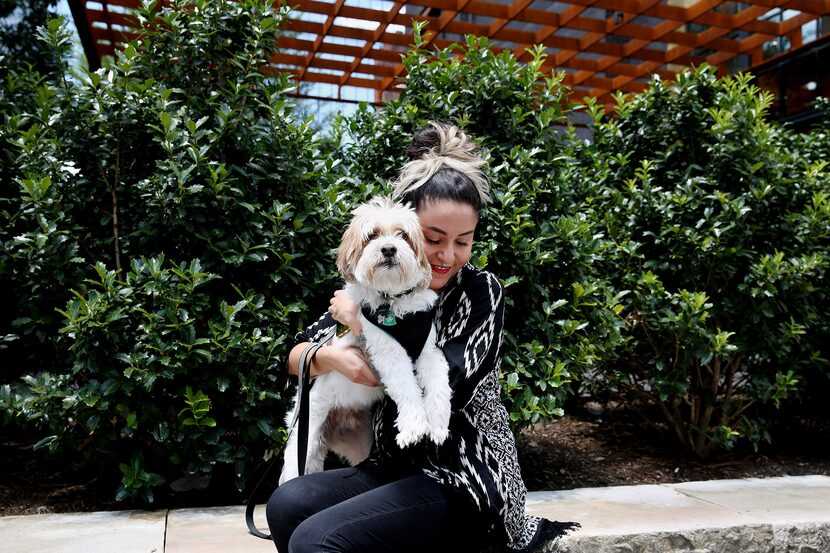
<point>431,241</point>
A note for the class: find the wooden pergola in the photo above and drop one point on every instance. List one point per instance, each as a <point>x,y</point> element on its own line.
<point>601,45</point>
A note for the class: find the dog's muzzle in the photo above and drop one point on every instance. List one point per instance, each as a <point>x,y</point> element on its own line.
<point>390,255</point>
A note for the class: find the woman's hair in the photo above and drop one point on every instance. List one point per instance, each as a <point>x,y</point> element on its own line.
<point>443,165</point>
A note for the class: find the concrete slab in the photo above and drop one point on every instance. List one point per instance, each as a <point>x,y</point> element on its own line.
<point>121,531</point>
<point>775,515</point>
<point>215,530</point>
<point>631,510</point>
<point>784,500</point>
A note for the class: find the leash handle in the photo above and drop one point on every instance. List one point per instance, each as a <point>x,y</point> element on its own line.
<point>251,505</point>
<point>301,414</point>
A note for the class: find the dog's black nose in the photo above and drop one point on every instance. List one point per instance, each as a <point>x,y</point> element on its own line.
<point>388,251</point>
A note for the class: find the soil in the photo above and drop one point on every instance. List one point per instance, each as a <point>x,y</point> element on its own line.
<point>587,448</point>
<point>596,448</point>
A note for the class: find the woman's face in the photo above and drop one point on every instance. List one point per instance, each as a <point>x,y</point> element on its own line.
<point>448,231</point>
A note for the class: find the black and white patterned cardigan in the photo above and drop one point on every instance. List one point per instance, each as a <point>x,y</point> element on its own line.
<point>479,460</point>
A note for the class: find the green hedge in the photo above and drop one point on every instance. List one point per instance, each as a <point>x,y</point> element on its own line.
<point>719,221</point>
<point>19,22</point>
<point>165,227</point>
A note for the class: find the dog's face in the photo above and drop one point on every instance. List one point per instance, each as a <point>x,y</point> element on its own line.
<point>383,248</point>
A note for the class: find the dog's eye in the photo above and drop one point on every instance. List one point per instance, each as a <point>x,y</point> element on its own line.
<point>372,235</point>
<point>404,235</point>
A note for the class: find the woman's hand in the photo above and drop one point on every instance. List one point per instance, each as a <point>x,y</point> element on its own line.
<point>345,311</point>
<point>348,361</point>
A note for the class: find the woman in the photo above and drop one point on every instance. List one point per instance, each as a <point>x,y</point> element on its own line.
<point>466,494</point>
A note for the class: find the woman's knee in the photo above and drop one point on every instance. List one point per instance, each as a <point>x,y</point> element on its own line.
<point>302,497</point>
<point>286,508</point>
<point>308,537</point>
<point>321,534</point>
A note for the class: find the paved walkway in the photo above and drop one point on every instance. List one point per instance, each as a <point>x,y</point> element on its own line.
<point>789,514</point>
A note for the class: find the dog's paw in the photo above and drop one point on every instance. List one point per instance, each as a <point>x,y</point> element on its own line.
<point>439,435</point>
<point>438,419</point>
<point>407,438</point>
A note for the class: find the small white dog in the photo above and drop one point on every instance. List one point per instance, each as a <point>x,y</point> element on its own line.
<point>382,259</point>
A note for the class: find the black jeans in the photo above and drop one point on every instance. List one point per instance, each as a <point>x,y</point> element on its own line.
<point>366,509</point>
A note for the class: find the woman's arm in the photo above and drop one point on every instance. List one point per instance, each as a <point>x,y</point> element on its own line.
<point>473,352</point>
<point>347,360</point>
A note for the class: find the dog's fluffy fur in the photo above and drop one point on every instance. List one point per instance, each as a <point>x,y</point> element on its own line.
<point>380,256</point>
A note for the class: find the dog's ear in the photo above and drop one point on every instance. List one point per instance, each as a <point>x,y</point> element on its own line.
<point>348,253</point>
<point>416,241</point>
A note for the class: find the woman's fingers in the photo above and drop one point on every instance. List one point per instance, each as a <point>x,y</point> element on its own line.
<point>348,361</point>
<point>358,369</point>
<point>345,311</point>
<point>343,308</point>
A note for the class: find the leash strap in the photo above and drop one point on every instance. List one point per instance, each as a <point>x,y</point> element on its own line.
<point>251,505</point>
<point>301,415</point>
<point>304,385</point>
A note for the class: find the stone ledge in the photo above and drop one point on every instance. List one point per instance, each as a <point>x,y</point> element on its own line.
<point>806,538</point>
<point>775,515</point>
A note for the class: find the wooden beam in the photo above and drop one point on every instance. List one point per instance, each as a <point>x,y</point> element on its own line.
<point>596,65</point>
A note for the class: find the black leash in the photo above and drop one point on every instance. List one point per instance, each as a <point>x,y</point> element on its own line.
<point>302,437</point>
<point>251,504</point>
<point>304,384</point>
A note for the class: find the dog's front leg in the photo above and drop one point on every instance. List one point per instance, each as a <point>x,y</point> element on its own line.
<point>289,464</point>
<point>392,363</point>
<point>432,371</point>
<point>319,406</point>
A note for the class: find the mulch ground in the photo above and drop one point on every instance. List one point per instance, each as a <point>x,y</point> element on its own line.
<point>619,449</point>
<point>582,449</point>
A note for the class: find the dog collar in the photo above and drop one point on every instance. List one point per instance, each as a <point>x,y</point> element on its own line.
<point>385,315</point>
<point>389,298</point>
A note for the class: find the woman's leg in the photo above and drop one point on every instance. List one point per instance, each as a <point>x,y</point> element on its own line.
<point>413,514</point>
<point>299,498</point>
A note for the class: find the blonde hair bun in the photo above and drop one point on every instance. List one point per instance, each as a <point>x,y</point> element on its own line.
<point>439,146</point>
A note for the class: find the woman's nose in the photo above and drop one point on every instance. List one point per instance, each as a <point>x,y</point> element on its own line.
<point>446,253</point>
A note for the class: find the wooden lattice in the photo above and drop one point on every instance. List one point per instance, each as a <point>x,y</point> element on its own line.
<point>602,45</point>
